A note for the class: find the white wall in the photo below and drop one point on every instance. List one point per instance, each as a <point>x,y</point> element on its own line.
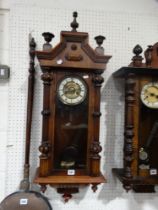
<point>4,59</point>
<point>112,5</point>
<point>125,23</point>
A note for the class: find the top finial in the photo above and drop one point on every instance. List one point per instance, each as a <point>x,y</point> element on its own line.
<point>137,50</point>
<point>74,23</point>
<point>137,58</point>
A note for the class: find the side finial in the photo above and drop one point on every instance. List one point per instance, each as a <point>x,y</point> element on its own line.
<point>32,43</point>
<point>99,40</point>
<point>148,55</point>
<point>74,24</point>
<point>48,38</point>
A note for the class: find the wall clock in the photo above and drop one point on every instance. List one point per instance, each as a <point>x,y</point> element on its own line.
<point>140,169</point>
<point>71,110</point>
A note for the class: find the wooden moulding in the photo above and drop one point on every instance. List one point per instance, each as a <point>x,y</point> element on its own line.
<point>52,180</point>
<point>68,185</point>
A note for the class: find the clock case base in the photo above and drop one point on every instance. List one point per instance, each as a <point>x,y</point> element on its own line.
<point>68,185</point>
<point>137,184</point>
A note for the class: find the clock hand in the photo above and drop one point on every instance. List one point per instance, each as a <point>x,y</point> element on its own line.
<point>145,97</point>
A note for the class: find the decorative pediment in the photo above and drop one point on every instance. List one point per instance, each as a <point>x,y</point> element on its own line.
<point>73,51</point>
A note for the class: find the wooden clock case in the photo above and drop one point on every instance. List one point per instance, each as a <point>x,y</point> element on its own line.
<point>139,122</point>
<point>72,57</point>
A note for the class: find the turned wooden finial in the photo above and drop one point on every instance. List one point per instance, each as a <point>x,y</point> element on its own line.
<point>74,24</point>
<point>148,55</point>
<point>137,58</point>
<point>99,40</point>
<point>48,38</point>
<point>32,43</point>
<point>137,50</point>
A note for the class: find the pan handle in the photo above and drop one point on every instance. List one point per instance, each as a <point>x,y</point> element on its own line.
<point>25,183</point>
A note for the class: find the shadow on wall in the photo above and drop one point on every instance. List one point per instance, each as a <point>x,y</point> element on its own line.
<point>112,192</point>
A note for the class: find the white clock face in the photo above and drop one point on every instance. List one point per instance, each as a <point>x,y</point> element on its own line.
<point>149,95</point>
<point>72,90</point>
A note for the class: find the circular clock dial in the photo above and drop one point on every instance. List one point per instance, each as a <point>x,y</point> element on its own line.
<point>149,95</point>
<point>72,90</point>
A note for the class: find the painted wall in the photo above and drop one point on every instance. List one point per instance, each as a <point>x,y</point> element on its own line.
<point>124,23</point>
<point>4,59</point>
<point>109,5</point>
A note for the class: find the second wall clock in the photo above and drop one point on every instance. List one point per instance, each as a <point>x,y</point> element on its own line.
<point>140,169</point>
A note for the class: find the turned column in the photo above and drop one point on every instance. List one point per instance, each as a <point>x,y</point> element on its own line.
<point>45,146</point>
<point>95,148</point>
<point>129,127</point>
